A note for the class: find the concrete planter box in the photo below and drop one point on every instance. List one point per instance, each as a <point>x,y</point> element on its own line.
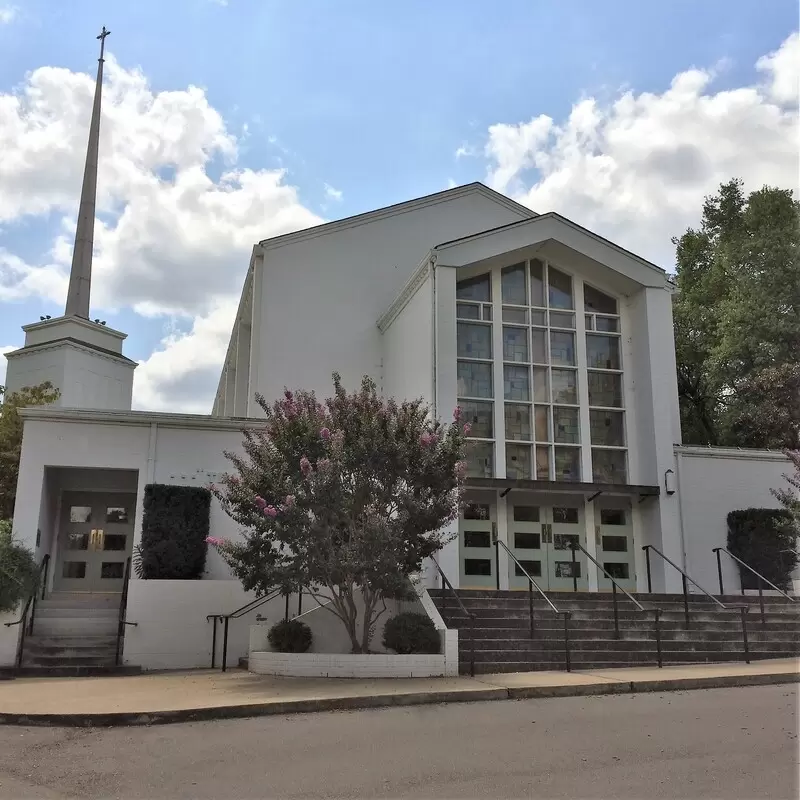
<point>347,665</point>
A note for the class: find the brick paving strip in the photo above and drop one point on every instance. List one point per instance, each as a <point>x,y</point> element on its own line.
<point>157,698</point>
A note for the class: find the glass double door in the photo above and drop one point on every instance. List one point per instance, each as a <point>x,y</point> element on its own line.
<point>94,542</point>
<point>540,537</point>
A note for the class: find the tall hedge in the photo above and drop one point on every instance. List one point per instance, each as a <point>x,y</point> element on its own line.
<point>764,538</point>
<point>174,531</point>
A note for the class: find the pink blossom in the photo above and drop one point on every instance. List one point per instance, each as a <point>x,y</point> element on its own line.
<point>213,540</point>
<point>271,512</point>
<point>325,433</point>
<point>288,395</point>
<point>305,466</point>
<point>289,501</point>
<point>425,439</point>
<point>461,469</point>
<point>324,466</point>
<point>467,429</point>
<point>234,480</point>
<point>212,487</point>
<point>260,502</point>
<point>457,414</point>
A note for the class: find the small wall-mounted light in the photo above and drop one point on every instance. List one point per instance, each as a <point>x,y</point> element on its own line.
<point>669,482</point>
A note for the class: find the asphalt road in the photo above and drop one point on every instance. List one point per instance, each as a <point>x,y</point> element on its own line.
<point>720,743</point>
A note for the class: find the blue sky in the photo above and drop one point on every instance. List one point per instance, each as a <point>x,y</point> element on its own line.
<point>378,102</point>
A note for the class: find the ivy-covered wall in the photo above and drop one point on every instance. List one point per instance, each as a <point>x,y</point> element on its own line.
<point>174,530</point>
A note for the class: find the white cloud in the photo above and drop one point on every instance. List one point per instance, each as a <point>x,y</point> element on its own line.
<point>171,237</point>
<point>637,170</point>
<point>8,14</point>
<point>333,194</point>
<point>467,150</point>
<point>3,363</point>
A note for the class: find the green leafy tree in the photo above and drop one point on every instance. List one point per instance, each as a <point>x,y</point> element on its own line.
<point>344,499</point>
<point>790,497</point>
<point>737,320</point>
<point>11,437</point>
<point>18,570</point>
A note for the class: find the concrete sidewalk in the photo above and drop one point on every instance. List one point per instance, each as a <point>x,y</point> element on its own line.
<point>204,694</point>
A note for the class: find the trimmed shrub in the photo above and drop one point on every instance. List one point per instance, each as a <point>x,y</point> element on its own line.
<point>410,632</point>
<point>19,571</point>
<point>765,539</point>
<point>174,530</point>
<point>290,636</point>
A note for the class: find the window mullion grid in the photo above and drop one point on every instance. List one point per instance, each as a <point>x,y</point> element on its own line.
<point>498,375</point>
<point>583,383</point>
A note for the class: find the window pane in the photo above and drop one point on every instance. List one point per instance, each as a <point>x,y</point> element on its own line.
<point>542,423</point>
<point>518,315</point>
<point>518,422</point>
<point>618,570</point>
<point>560,289</point>
<point>476,511</point>
<point>468,311</point>
<point>114,541</point>
<point>513,283</point>
<point>116,514</point>
<point>565,386</point>
<point>539,318</point>
<point>561,319</point>
<point>615,544</point>
<point>78,541</point>
<point>516,382</point>
<point>537,283</point>
<point>566,515</point>
<point>564,541</point>
<point>541,385</point>
<point>479,288</point>
<point>480,459</point>
<point>612,516</point>
<point>608,466</point>
<point>568,463</point>
<point>515,344</point>
<point>80,514</point>
<point>526,514</point>
<point>487,313</point>
<point>589,321</point>
<point>527,541</point>
<point>566,425</point>
<point>562,348</point>
<point>477,566</point>
<point>474,341</point>
<point>480,415</point>
<point>518,461</point>
<point>543,463</point>
<point>605,389</point>
<point>539,346</point>
<point>477,539</point>
<point>533,568</point>
<point>568,569</point>
<point>474,380</point>
<point>602,351</point>
<point>607,428</point>
<point>112,569</point>
<point>73,569</point>
<point>595,300</point>
<point>607,324</point>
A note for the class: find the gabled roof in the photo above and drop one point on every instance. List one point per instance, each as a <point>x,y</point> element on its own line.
<point>399,208</point>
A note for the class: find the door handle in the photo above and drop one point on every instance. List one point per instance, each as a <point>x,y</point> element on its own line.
<point>92,536</point>
<point>100,538</point>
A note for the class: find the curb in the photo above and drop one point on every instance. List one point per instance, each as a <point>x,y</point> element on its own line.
<point>134,718</point>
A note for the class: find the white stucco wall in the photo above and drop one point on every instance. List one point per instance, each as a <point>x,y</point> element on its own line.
<point>92,380</point>
<point>36,367</point>
<point>322,295</point>
<point>711,483</point>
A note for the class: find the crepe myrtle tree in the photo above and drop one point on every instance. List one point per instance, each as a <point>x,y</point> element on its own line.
<point>342,498</point>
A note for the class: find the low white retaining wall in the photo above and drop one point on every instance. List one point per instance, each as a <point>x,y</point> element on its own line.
<point>347,665</point>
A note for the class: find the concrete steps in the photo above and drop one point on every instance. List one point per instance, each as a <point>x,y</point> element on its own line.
<point>73,634</point>
<point>503,642</point>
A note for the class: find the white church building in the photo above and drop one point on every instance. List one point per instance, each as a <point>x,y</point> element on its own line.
<point>556,343</point>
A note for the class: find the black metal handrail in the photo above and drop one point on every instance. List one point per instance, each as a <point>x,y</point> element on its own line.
<point>30,603</point>
<point>239,612</point>
<point>743,609</point>
<point>531,585</point>
<point>614,586</point>
<point>761,580</point>
<point>123,610</point>
<point>470,616</point>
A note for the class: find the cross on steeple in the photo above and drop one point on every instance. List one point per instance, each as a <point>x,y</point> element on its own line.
<point>80,277</point>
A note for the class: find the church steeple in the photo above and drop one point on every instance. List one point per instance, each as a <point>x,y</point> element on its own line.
<point>80,277</point>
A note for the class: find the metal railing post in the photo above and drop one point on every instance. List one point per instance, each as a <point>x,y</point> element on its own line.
<point>761,602</point>
<point>616,612</point>
<point>743,611</point>
<point>685,599</point>
<point>657,613</point>
<point>646,549</point>
<point>574,571</point>
<point>719,572</point>
<point>214,644</point>
<point>225,645</point>
<point>530,605</point>
<point>496,560</point>
<point>567,658</point>
<point>300,602</point>
<point>46,560</point>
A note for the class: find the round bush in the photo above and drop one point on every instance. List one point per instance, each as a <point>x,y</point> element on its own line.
<point>19,575</point>
<point>411,633</point>
<point>290,636</point>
